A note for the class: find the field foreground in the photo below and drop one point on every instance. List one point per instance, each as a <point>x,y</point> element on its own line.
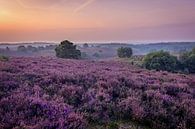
<point>72,94</point>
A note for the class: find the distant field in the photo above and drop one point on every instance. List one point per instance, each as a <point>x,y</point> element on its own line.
<point>60,93</point>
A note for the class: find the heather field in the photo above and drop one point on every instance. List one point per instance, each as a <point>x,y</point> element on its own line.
<point>50,93</point>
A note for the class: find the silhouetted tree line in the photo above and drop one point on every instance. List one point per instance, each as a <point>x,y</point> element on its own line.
<point>30,48</point>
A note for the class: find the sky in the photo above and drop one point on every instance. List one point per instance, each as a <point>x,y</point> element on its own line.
<point>97,20</point>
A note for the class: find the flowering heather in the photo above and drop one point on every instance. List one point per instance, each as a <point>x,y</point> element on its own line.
<point>71,94</point>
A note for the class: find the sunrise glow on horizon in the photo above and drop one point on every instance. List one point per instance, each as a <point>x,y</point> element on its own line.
<point>97,20</point>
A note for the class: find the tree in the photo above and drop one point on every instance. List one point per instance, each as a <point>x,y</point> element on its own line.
<point>161,61</point>
<point>7,49</point>
<point>22,48</point>
<point>187,60</point>
<point>84,55</point>
<point>68,50</point>
<point>190,63</point>
<point>96,55</point>
<point>124,52</point>
<point>85,45</point>
<point>31,48</point>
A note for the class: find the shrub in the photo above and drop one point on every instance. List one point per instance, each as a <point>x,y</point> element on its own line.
<point>29,112</point>
<point>85,45</point>
<point>4,58</point>
<point>124,52</point>
<point>190,63</point>
<point>160,61</point>
<point>67,49</point>
<point>31,48</point>
<point>113,125</point>
<point>96,55</point>
<point>22,48</point>
<point>84,55</point>
<point>187,60</point>
<point>7,49</point>
<point>71,93</point>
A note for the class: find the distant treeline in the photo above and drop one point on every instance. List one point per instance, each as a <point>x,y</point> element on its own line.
<point>152,47</point>
<point>29,48</point>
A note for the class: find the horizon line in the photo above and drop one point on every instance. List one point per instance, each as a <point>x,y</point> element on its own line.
<point>99,42</point>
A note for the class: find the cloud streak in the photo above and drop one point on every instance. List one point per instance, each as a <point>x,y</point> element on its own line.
<point>97,19</point>
<point>39,4</point>
<point>83,6</point>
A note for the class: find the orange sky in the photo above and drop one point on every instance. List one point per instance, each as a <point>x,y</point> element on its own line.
<point>97,20</point>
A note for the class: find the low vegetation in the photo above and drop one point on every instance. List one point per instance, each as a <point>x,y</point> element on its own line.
<point>188,61</point>
<point>75,94</point>
<point>4,58</point>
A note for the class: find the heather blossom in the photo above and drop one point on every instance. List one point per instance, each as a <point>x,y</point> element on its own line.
<point>51,93</point>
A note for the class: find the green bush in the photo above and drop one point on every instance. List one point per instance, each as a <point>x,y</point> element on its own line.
<point>190,63</point>
<point>4,58</point>
<point>161,61</point>
<point>112,125</point>
<point>187,60</point>
<point>124,52</point>
<point>68,50</point>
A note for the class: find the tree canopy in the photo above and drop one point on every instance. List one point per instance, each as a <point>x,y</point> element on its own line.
<point>187,60</point>
<point>161,60</point>
<point>67,49</point>
<point>124,52</point>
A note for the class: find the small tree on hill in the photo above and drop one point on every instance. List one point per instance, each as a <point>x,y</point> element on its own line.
<point>124,52</point>
<point>68,50</point>
<point>161,61</point>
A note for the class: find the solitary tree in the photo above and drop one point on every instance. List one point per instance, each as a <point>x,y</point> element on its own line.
<point>68,50</point>
<point>124,52</point>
